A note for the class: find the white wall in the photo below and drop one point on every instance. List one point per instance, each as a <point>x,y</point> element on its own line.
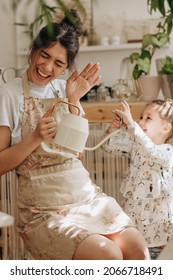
<point>7,34</point>
<point>109,17</point>
<point>109,20</point>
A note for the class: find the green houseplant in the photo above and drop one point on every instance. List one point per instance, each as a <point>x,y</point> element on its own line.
<point>147,86</point>
<point>167,66</point>
<point>151,42</point>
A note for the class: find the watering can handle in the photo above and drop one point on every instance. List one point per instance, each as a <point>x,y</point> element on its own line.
<point>71,104</point>
<point>62,101</point>
<point>101,142</point>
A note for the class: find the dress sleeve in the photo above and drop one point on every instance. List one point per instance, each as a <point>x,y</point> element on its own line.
<point>162,154</point>
<point>119,143</point>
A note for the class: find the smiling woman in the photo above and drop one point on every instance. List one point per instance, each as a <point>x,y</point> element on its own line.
<point>62,213</point>
<point>47,64</point>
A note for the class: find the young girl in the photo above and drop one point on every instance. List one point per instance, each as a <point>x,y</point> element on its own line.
<point>148,186</point>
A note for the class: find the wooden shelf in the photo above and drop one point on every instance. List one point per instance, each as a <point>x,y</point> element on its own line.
<point>101,111</point>
<point>127,46</point>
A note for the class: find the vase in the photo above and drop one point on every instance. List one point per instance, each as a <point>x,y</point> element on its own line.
<point>148,87</point>
<point>167,86</point>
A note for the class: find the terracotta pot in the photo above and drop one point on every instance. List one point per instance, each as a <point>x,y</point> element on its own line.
<point>148,87</point>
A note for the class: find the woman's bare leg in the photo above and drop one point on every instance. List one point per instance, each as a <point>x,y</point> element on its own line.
<point>131,243</point>
<point>97,247</point>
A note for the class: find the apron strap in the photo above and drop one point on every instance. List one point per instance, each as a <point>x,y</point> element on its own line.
<point>25,83</point>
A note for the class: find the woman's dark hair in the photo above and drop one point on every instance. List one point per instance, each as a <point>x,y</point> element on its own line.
<point>66,32</point>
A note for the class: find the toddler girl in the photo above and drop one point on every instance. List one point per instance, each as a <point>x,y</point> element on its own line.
<point>148,187</point>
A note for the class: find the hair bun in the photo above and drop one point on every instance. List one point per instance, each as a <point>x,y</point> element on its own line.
<point>73,19</point>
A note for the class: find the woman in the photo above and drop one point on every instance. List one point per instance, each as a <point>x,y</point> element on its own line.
<point>62,214</point>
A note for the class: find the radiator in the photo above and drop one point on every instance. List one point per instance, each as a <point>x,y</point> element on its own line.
<point>106,171</point>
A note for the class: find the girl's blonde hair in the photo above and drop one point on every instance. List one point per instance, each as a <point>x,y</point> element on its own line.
<point>165,109</point>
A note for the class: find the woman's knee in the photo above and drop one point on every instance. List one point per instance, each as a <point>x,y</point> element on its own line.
<point>132,244</point>
<point>97,247</point>
<point>139,244</point>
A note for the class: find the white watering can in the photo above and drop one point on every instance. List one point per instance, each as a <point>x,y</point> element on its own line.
<point>73,132</point>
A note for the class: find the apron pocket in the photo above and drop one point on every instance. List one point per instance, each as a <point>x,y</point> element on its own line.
<point>54,187</point>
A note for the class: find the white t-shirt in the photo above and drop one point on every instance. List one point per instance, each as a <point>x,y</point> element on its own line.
<point>12,102</point>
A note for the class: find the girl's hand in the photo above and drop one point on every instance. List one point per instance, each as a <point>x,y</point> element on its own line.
<point>114,124</point>
<point>80,83</point>
<point>125,113</point>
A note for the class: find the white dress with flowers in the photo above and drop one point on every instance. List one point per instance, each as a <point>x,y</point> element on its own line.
<point>148,186</point>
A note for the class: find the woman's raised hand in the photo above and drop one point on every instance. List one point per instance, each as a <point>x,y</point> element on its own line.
<point>79,84</point>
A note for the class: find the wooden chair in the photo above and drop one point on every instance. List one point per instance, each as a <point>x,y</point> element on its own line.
<point>12,246</point>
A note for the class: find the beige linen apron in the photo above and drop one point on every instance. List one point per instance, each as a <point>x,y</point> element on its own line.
<point>59,206</point>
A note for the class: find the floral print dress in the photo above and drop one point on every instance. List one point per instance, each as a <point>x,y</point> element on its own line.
<point>148,185</point>
<point>59,205</point>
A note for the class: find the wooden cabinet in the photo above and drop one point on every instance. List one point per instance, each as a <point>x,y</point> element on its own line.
<point>101,111</point>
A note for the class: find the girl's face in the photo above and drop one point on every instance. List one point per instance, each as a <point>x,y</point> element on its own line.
<point>47,64</point>
<point>152,124</point>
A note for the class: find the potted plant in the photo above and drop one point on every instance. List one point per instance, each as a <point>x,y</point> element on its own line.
<point>151,42</point>
<point>165,69</point>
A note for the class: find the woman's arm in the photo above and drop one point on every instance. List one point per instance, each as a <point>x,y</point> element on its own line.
<point>12,156</point>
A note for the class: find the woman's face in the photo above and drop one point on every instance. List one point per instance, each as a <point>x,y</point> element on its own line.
<point>152,124</point>
<point>47,64</point>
